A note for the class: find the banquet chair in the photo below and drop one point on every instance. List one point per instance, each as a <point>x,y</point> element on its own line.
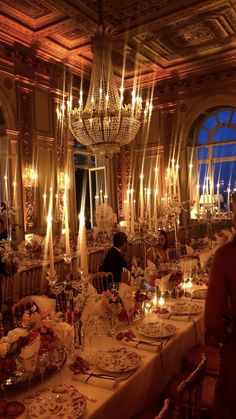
<point>183,250</point>
<point>167,411</point>
<point>8,290</point>
<point>18,309</point>
<point>102,281</point>
<point>212,350</point>
<point>192,393</point>
<point>95,260</point>
<point>171,253</point>
<point>30,281</point>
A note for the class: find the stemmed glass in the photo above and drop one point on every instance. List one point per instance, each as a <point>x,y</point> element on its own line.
<point>148,306</point>
<point>42,364</point>
<point>112,326</point>
<point>89,331</point>
<point>57,357</point>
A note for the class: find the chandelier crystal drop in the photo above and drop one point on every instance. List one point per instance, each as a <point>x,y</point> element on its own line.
<point>105,123</point>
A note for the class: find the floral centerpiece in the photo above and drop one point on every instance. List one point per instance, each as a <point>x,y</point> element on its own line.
<point>139,276</point>
<point>34,246</point>
<point>20,349</point>
<point>10,257</point>
<point>175,279</point>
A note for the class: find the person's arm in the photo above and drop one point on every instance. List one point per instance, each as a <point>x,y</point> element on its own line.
<point>217,299</point>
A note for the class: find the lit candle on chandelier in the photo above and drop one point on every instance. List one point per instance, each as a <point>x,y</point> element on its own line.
<point>218,196</point>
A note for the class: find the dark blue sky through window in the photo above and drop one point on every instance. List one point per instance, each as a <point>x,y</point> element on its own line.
<point>219,127</point>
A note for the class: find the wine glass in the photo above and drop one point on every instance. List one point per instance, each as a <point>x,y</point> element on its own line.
<point>57,357</point>
<point>42,364</point>
<point>148,306</point>
<point>89,331</point>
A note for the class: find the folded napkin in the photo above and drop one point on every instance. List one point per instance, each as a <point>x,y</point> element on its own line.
<point>107,383</point>
<point>126,294</point>
<point>146,346</point>
<point>45,304</point>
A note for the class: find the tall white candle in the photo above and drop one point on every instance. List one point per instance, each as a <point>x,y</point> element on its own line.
<point>141,196</point>
<point>228,199</point>
<point>190,186</point>
<point>67,231</point>
<point>155,211</point>
<point>149,210</point>
<point>6,188</point>
<point>132,210</point>
<point>101,196</point>
<point>218,197</point>
<point>83,251</point>
<point>96,201</point>
<point>50,243</point>
<point>197,200</point>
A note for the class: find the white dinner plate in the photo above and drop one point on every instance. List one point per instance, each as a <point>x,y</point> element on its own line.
<point>185,308</point>
<point>157,330</point>
<point>60,402</point>
<point>117,360</point>
<point>200,293</point>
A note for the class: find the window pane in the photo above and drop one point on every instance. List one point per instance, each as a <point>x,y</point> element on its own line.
<point>225,174</point>
<point>202,172</point>
<point>210,122</point>
<point>203,153</point>
<point>228,150</point>
<point>80,159</point>
<point>224,116</point>
<point>203,136</point>
<point>225,133</point>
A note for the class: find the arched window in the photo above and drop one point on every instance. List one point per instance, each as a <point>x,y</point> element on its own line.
<point>214,158</point>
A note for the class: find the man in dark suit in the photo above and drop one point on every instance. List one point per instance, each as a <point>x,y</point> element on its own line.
<point>114,260</point>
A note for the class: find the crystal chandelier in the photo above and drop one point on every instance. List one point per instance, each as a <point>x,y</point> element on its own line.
<point>105,123</point>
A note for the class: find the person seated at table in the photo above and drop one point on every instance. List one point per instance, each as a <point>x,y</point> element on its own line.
<point>114,260</point>
<point>158,254</point>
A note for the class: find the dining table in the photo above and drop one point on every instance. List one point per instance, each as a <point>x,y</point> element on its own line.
<point>132,392</point>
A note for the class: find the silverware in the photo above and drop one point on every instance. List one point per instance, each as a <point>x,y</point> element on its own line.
<point>145,342</point>
<point>109,376</point>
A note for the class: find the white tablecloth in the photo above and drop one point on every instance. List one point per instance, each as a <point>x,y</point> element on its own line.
<point>144,387</point>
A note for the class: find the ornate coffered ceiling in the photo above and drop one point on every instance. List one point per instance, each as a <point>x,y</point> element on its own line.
<point>154,38</point>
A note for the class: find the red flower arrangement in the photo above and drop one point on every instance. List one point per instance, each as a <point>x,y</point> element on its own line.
<point>176,277</point>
